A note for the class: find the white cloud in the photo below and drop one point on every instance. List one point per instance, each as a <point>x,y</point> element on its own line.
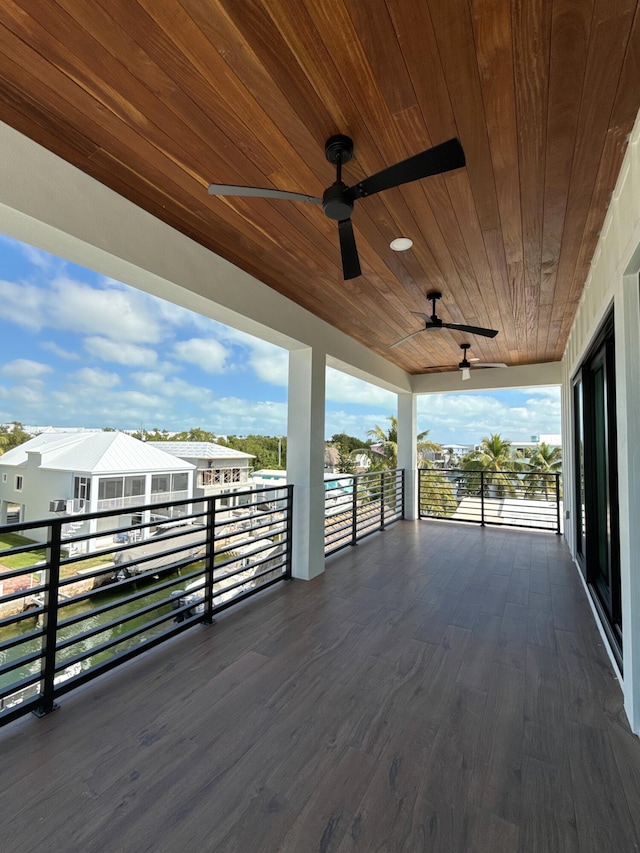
<point>24,368</point>
<point>120,313</point>
<point>23,395</point>
<point>467,418</point>
<point>235,416</point>
<point>268,362</point>
<point>52,347</point>
<point>172,387</point>
<point>95,377</point>
<point>100,407</point>
<point>22,304</point>
<point>356,424</point>
<point>205,353</point>
<point>115,313</point>
<point>343,388</point>
<point>120,352</point>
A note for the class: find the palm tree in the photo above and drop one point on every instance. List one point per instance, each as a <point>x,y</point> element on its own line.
<point>543,461</point>
<point>386,457</point>
<point>495,457</point>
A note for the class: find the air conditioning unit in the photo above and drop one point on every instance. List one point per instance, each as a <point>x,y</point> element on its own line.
<point>57,506</point>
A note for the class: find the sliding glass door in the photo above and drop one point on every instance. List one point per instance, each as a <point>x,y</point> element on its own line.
<point>596,483</point>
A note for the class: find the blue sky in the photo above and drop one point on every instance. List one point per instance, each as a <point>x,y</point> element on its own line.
<point>79,349</point>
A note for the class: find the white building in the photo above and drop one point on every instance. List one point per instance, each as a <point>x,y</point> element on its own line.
<point>220,470</point>
<point>77,473</point>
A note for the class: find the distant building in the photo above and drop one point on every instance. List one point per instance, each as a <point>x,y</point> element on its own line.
<point>79,472</point>
<point>219,469</point>
<point>552,441</point>
<point>338,487</point>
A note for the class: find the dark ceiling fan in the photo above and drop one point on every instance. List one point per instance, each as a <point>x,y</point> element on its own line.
<point>337,200</point>
<point>466,364</point>
<point>434,322</point>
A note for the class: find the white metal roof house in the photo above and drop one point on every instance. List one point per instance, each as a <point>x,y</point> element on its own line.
<point>88,472</point>
<point>219,469</point>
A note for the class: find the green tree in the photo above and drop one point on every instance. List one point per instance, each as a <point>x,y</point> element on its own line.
<point>346,461</point>
<point>437,495</point>
<point>544,460</point>
<point>386,456</point>
<point>12,435</point>
<point>195,434</point>
<point>270,451</point>
<point>349,442</point>
<point>152,435</point>
<point>496,458</point>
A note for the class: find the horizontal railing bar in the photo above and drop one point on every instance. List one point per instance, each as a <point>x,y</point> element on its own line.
<point>16,663</point>
<point>107,626</point>
<point>239,571</point>
<point>118,659</point>
<point>149,574</point>
<point>218,608</point>
<point>115,641</point>
<point>36,634</point>
<point>17,686</point>
<point>21,593</point>
<point>121,602</point>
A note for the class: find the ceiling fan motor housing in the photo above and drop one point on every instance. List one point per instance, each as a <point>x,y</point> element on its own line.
<point>334,203</point>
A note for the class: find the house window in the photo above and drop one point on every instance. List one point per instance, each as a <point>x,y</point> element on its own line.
<point>160,484</point>
<point>82,488</point>
<point>133,486</point>
<point>4,478</point>
<point>18,483</point>
<point>109,488</point>
<point>180,482</point>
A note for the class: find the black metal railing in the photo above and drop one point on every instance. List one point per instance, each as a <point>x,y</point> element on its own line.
<point>512,498</point>
<point>357,505</point>
<point>80,595</point>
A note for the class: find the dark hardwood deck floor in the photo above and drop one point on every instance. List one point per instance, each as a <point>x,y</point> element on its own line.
<point>440,688</point>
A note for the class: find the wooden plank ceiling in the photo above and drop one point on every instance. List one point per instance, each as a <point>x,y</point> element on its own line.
<point>159,98</point>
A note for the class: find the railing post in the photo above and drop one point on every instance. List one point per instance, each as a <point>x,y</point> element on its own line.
<point>354,512</point>
<point>482,498</point>
<point>47,705</point>
<point>209,564</point>
<point>382,473</point>
<point>558,503</point>
<point>289,532</point>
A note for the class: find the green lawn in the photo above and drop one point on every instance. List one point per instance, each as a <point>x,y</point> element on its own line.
<point>30,558</point>
<point>19,561</point>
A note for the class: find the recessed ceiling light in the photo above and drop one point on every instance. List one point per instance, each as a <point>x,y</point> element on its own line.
<point>401,244</point>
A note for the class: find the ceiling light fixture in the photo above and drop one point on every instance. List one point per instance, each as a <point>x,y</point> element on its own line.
<point>401,244</point>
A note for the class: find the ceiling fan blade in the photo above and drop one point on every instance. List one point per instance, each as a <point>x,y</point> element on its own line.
<point>440,367</point>
<point>490,364</point>
<point>260,192</point>
<point>474,330</point>
<point>348,250</point>
<point>441,158</point>
<point>406,338</point>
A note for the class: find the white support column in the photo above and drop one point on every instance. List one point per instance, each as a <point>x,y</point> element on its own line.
<point>305,459</point>
<point>407,451</point>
